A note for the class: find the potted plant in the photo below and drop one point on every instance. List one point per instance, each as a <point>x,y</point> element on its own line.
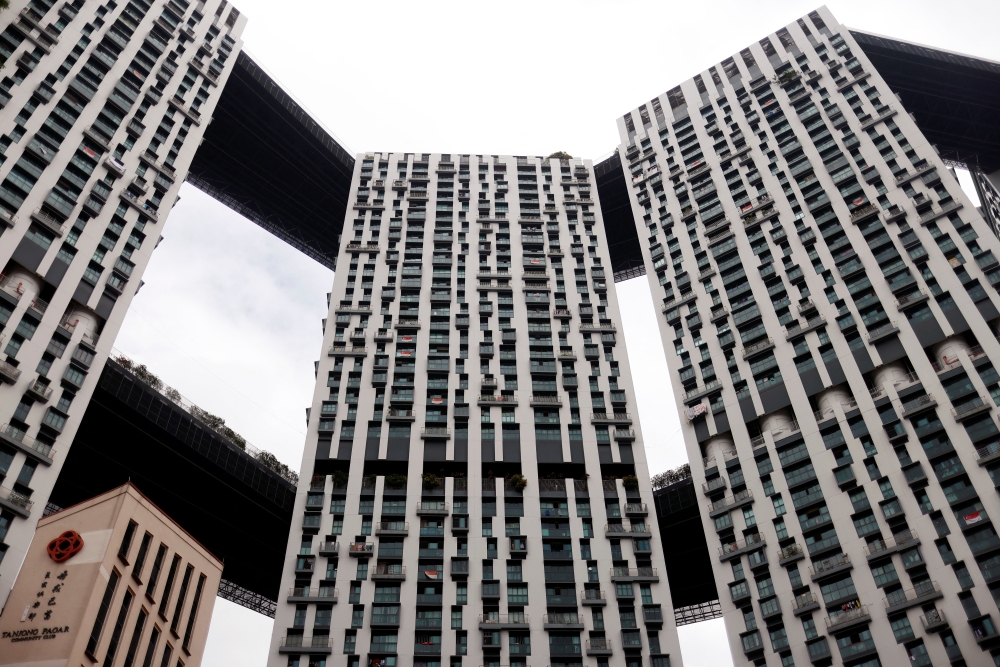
<point>339,479</point>
<point>395,481</point>
<point>518,482</point>
<point>630,482</point>
<point>431,482</point>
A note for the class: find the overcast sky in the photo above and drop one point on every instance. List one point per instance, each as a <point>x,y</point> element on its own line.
<point>231,317</point>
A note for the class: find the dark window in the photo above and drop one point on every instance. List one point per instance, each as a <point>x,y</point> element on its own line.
<point>102,613</point>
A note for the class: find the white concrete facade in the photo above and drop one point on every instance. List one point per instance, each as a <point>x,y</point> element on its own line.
<point>85,188</point>
<point>829,318</point>
<point>469,312</point>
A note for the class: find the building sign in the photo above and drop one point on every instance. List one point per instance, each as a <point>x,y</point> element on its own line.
<point>17,636</point>
<point>65,546</point>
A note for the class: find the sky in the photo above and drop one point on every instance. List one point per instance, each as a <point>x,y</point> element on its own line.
<point>231,317</point>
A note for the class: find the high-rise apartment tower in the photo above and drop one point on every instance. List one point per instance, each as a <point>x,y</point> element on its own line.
<point>103,107</point>
<point>829,317</point>
<point>474,489</point>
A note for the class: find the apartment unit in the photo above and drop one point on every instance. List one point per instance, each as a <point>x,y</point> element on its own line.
<point>103,107</point>
<point>829,315</point>
<point>111,581</point>
<point>474,488</point>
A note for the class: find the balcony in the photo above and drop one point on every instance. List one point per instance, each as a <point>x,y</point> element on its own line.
<point>831,566</point>
<point>500,399</point>
<point>882,332</point>
<point>700,392</point>
<point>15,502</point>
<point>617,418</point>
<point>348,351</point>
<point>758,347</point>
<point>360,549</point>
<point>435,433</point>
<point>840,621</point>
<point>388,572</point>
<point>624,435</point>
<point>539,401</point>
<point>9,373</point>
<point>433,508</point>
<point>934,621</point>
<point>635,574</point>
<point>431,648</point>
<point>48,222</point>
<point>592,598</point>
<point>933,215</point>
<point>898,542</point>
<point>724,505</point>
<point>132,200</point>
<point>909,300</point>
<point>918,405</point>
<point>567,621</point>
<point>321,594</point>
<point>619,530</point>
<point>918,595</point>
<point>636,509</point>
<point>400,415</point>
<point>597,646</point>
<point>988,454</point>
<point>797,329</point>
<point>968,409</point>
<point>790,554</point>
<point>736,549</point>
<point>17,439</point>
<point>514,621</point>
<point>320,645</point>
<point>805,603</point>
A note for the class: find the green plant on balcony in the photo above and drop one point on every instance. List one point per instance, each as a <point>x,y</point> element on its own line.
<point>431,482</point>
<point>395,481</point>
<point>339,479</point>
<point>630,482</point>
<point>518,482</point>
<point>787,75</point>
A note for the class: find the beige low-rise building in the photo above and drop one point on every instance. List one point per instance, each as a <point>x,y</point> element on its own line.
<point>111,581</point>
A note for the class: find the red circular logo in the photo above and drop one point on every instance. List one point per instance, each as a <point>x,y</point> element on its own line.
<point>65,546</point>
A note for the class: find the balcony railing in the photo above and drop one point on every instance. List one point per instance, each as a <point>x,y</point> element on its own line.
<point>389,571</point>
<point>516,618</point>
<point>18,502</point>
<point>619,571</point>
<point>829,564</point>
<point>298,641</point>
<point>320,593</point>
<point>561,619</point>
<point>898,540</point>
<point>360,548</point>
<point>846,617</point>
<point>804,600</point>
<point>735,499</point>
<point>18,436</point>
<point>751,540</point>
<point>791,551</point>
<point>914,595</point>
